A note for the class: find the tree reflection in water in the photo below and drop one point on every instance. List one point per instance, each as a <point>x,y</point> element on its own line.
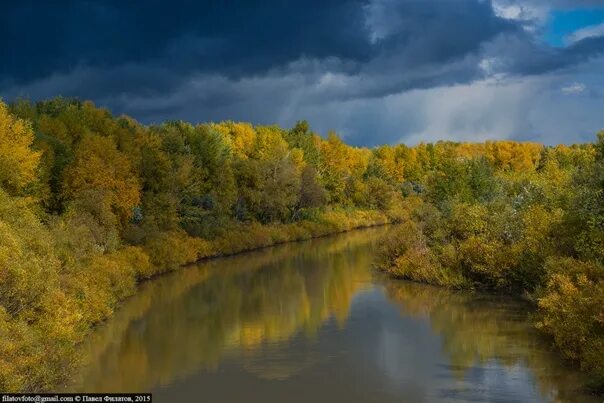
<point>265,310</point>
<point>193,318</point>
<point>480,328</point>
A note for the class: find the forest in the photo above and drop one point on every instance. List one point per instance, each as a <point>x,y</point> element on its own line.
<point>520,219</point>
<point>91,204</point>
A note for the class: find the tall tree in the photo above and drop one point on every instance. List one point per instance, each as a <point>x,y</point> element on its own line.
<point>18,162</point>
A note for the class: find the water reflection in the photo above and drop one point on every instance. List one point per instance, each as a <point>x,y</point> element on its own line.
<point>482,333</point>
<point>190,320</point>
<point>310,321</point>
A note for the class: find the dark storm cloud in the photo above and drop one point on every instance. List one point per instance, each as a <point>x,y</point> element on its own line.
<point>547,61</point>
<point>436,31</point>
<point>232,39</point>
<point>151,47</point>
<point>519,55</point>
<point>40,38</point>
<point>271,61</point>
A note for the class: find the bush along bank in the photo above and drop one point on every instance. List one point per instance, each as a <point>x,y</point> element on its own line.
<point>91,204</point>
<point>513,218</point>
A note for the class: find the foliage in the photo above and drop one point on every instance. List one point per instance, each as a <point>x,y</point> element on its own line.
<point>572,305</point>
<point>18,162</point>
<point>90,204</point>
<point>516,218</point>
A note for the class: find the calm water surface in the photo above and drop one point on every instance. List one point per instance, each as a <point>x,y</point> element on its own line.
<point>312,322</point>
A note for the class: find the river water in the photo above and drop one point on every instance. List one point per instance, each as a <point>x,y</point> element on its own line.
<point>313,322</point>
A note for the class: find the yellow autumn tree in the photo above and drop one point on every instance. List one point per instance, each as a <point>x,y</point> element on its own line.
<point>510,155</point>
<point>335,168</point>
<point>241,136</point>
<point>99,170</point>
<point>18,162</point>
<point>388,164</point>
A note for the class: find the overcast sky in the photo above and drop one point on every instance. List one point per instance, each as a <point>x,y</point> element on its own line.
<point>375,71</point>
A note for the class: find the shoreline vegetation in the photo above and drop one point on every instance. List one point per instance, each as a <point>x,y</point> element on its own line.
<point>517,219</point>
<point>248,302</point>
<point>92,204</point>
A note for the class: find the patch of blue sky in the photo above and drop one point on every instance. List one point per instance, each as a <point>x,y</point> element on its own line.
<point>562,23</point>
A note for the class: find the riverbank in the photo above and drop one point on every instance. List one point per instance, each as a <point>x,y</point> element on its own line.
<point>234,288</point>
<point>39,360</point>
<point>568,305</point>
<point>92,204</point>
<point>520,219</point>
<point>263,320</point>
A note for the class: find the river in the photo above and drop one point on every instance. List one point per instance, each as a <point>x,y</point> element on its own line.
<point>313,322</point>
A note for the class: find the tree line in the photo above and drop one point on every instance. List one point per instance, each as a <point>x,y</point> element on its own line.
<point>516,218</point>
<point>92,203</point>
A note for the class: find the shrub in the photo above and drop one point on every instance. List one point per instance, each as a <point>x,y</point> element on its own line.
<point>169,250</point>
<point>571,310</point>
